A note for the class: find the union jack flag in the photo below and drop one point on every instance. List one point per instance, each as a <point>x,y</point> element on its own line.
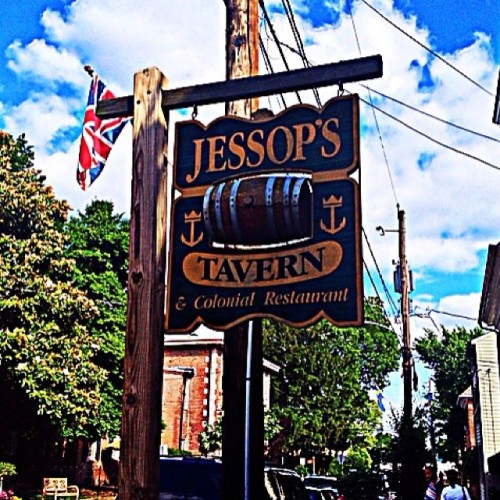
<point>98,135</point>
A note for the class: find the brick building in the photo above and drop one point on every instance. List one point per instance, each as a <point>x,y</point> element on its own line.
<point>192,386</point>
<point>465,401</point>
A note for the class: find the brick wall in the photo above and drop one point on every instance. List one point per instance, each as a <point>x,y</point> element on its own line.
<point>470,433</point>
<point>202,356</point>
<point>203,393</point>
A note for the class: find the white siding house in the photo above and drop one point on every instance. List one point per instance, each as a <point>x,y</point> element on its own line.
<point>488,392</point>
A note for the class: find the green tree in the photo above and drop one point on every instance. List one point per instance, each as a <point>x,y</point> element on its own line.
<point>445,354</point>
<point>210,438</point>
<point>6,470</point>
<point>98,243</point>
<point>47,354</point>
<point>326,373</point>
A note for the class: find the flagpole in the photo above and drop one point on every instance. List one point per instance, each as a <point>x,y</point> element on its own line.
<point>88,69</point>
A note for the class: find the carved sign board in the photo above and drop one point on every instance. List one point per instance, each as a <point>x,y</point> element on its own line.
<point>266,221</point>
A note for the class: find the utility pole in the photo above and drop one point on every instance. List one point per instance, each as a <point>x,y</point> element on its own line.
<point>405,318</point>
<point>243,421</point>
<point>242,50</point>
<point>410,478</point>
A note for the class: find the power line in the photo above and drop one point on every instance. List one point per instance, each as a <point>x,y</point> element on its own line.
<point>428,316</point>
<point>447,146</point>
<point>296,35</point>
<point>306,62</point>
<point>452,314</point>
<point>434,117</point>
<point>386,290</point>
<point>372,281</point>
<point>435,54</point>
<point>389,172</point>
<point>269,66</point>
<point>293,50</point>
<point>423,134</point>
<point>276,40</point>
<point>298,40</point>
<point>440,143</point>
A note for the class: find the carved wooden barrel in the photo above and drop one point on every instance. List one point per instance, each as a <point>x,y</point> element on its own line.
<point>259,210</point>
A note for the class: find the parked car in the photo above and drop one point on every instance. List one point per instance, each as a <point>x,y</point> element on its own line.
<point>186,478</point>
<point>368,485</point>
<point>322,487</point>
<point>196,478</point>
<point>322,493</point>
<point>283,484</point>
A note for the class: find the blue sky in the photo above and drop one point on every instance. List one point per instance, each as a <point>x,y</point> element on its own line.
<point>21,21</point>
<point>447,182</point>
<point>453,24</point>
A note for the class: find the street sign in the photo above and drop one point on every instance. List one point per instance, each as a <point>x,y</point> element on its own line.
<point>266,221</point>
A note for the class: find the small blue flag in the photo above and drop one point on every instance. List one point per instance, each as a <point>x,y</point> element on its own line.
<point>380,403</point>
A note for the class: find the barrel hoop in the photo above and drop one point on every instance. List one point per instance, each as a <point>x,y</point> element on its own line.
<point>295,205</point>
<point>279,210</point>
<point>286,200</point>
<point>233,209</point>
<point>218,210</point>
<point>269,204</point>
<point>206,211</point>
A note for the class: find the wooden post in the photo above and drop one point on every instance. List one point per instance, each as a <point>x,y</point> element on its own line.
<point>405,317</point>
<point>243,423</point>
<point>409,468</point>
<point>143,366</point>
<point>242,50</point>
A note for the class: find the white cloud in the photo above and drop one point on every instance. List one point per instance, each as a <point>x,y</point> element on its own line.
<point>447,255</point>
<point>40,60</point>
<point>41,117</point>
<point>461,306</point>
<point>184,39</point>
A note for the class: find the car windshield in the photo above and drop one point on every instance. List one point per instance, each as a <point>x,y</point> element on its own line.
<point>321,481</point>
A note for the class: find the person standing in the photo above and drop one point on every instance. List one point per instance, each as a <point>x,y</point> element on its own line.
<point>454,490</point>
<point>430,477</point>
<point>440,484</point>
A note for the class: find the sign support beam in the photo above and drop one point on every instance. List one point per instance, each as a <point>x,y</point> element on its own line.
<point>354,70</point>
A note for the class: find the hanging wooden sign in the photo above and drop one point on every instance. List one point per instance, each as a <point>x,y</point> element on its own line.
<point>266,221</point>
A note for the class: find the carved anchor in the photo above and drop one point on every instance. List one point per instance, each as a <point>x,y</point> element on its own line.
<point>332,203</point>
<point>192,218</point>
